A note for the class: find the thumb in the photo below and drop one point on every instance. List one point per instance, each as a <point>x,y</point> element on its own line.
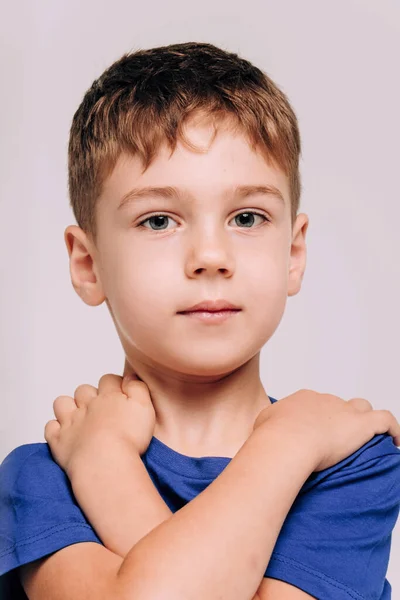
<point>127,380</point>
<point>131,376</point>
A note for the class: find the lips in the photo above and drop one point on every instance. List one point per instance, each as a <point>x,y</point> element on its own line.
<point>212,306</point>
<point>210,318</point>
<point>185,312</point>
<point>211,312</point>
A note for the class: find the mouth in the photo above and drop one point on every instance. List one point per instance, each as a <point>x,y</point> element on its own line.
<point>211,306</point>
<point>212,312</point>
<point>208,316</point>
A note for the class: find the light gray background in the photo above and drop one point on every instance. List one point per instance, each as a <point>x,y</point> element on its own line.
<point>339,64</point>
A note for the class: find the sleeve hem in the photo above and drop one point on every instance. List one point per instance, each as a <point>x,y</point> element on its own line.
<point>309,580</point>
<point>49,541</point>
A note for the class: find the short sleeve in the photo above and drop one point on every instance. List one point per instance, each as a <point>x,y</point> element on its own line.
<point>335,542</point>
<point>38,512</point>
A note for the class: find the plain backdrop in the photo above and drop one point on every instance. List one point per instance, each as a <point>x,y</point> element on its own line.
<point>338,62</point>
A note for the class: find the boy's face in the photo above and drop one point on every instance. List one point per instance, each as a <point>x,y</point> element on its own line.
<point>201,249</point>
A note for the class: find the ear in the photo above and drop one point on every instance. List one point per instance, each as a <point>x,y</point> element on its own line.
<point>83,266</point>
<point>298,254</point>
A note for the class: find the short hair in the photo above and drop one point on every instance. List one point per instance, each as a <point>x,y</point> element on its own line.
<point>144,99</point>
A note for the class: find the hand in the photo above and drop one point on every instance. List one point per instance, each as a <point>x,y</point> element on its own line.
<point>334,427</point>
<point>119,411</point>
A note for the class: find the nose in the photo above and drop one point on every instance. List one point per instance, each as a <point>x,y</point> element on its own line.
<point>210,255</point>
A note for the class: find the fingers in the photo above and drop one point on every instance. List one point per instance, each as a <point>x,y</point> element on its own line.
<point>109,383</point>
<point>385,422</point>
<point>393,426</point>
<point>51,430</point>
<point>63,406</point>
<point>114,383</point>
<point>84,394</point>
<point>135,388</point>
<point>361,404</point>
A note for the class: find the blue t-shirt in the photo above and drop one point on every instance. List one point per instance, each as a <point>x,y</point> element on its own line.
<point>334,544</point>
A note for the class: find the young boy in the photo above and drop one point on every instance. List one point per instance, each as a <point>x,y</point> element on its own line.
<point>198,496</point>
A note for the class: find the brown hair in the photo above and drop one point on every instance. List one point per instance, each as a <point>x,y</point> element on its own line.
<point>144,99</point>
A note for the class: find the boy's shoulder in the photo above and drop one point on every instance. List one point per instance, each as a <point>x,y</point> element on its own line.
<point>15,460</point>
<point>31,469</point>
<point>342,520</point>
<point>38,511</point>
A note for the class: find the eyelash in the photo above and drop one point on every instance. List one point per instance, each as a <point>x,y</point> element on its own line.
<point>140,225</point>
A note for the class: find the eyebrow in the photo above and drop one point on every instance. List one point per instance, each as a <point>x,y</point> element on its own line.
<point>171,192</point>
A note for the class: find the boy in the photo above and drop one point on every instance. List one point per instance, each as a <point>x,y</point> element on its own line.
<point>229,182</point>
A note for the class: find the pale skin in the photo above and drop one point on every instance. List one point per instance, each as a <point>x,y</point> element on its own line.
<point>156,511</point>
<point>108,477</point>
<point>100,436</point>
<point>198,385</point>
<point>120,529</point>
<point>205,386</point>
<point>198,376</point>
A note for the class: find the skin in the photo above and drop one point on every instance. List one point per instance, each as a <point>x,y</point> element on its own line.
<point>204,380</point>
<point>123,516</point>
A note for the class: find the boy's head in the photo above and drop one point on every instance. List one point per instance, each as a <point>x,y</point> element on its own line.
<point>194,117</point>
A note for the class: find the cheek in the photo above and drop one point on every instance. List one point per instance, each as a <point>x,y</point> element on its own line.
<point>265,293</point>
<point>266,278</point>
<point>142,291</point>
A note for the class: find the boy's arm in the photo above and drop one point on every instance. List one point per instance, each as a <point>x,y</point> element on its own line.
<point>118,497</point>
<point>130,505</point>
<point>218,545</point>
<point>122,503</point>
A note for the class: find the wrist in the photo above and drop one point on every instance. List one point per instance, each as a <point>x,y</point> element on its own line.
<point>103,456</point>
<point>303,446</point>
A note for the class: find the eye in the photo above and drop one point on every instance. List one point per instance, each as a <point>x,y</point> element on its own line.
<point>157,220</point>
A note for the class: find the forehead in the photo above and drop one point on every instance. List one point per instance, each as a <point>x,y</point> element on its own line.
<point>214,168</point>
